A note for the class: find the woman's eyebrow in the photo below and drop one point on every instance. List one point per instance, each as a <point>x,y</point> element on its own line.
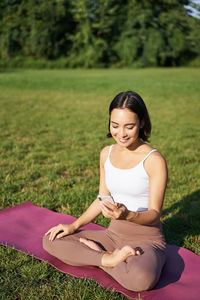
<point>124,124</point>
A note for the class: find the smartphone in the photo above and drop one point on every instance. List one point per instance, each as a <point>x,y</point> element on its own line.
<point>106,198</point>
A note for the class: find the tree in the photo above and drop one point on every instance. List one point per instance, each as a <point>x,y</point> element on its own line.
<point>94,34</point>
<point>35,28</point>
<point>155,33</point>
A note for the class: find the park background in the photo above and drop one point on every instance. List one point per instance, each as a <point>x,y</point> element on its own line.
<point>98,33</point>
<point>61,63</point>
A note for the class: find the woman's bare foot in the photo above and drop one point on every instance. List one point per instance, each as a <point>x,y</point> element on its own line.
<point>117,256</point>
<point>90,244</point>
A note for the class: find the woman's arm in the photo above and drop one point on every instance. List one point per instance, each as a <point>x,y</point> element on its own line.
<point>156,168</point>
<point>64,229</point>
<point>90,214</point>
<point>102,184</point>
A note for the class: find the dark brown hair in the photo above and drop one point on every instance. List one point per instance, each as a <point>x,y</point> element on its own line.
<point>134,103</point>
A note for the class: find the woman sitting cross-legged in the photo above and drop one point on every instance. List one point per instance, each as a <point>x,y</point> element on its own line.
<point>133,176</point>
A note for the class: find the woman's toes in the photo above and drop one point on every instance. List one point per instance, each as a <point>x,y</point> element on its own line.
<point>82,240</point>
<point>127,250</point>
<point>117,256</point>
<point>90,244</point>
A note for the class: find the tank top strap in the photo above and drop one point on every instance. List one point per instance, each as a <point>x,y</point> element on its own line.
<point>110,149</point>
<point>149,154</point>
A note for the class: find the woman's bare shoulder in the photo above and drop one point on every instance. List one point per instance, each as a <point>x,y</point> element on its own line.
<point>104,154</point>
<point>155,155</point>
<point>156,162</point>
<point>145,149</point>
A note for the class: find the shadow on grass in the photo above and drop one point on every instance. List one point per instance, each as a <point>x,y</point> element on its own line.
<point>173,267</point>
<point>181,223</point>
<point>184,223</point>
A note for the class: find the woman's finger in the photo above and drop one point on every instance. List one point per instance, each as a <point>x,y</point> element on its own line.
<point>49,231</point>
<point>60,235</point>
<point>109,205</point>
<point>53,228</point>
<point>104,214</point>
<point>53,234</point>
<point>113,210</point>
<point>107,212</point>
<point>111,213</point>
<point>104,210</point>
<point>109,209</point>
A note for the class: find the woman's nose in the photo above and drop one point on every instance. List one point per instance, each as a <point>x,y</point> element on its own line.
<point>122,132</point>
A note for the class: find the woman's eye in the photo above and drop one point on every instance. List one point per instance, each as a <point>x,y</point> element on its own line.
<point>130,127</point>
<point>115,126</point>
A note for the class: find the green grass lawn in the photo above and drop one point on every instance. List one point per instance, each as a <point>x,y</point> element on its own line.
<point>53,126</point>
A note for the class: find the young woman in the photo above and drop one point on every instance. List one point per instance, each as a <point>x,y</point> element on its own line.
<point>132,248</point>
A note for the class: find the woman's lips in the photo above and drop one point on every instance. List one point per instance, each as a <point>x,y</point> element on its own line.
<point>123,140</point>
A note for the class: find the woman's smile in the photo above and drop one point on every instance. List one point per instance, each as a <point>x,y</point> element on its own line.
<point>123,140</point>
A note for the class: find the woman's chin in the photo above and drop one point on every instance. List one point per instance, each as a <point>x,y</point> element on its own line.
<point>127,142</point>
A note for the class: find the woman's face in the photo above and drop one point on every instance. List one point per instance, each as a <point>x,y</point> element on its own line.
<point>124,126</point>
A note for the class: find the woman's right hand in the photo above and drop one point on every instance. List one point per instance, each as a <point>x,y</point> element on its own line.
<point>64,229</point>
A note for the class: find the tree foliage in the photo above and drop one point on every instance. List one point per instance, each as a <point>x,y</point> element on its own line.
<point>98,33</point>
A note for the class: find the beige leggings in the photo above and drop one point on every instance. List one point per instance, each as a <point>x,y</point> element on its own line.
<point>137,273</point>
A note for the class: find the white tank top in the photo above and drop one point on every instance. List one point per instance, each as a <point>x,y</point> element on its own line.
<point>128,186</point>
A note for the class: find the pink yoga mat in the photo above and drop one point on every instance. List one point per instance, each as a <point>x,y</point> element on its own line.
<point>23,226</point>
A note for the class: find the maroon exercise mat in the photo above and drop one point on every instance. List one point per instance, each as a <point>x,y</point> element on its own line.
<point>23,226</point>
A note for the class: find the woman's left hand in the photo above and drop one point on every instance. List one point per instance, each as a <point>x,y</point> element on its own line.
<point>115,211</point>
